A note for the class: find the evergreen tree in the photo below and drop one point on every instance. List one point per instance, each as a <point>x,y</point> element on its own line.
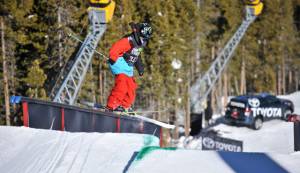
<point>35,79</point>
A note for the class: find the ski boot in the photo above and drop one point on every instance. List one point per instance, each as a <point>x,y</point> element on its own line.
<point>130,111</point>
<point>125,111</point>
<point>119,110</point>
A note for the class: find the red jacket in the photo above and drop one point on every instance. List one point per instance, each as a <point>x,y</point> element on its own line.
<point>119,48</point>
<point>122,46</point>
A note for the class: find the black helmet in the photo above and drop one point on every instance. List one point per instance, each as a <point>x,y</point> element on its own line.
<point>141,32</point>
<point>145,30</point>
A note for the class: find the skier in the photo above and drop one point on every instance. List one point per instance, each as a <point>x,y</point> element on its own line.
<point>123,55</point>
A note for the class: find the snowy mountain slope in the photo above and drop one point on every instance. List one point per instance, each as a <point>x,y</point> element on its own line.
<point>35,150</point>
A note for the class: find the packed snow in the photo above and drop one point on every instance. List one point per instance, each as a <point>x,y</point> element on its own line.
<point>181,161</point>
<point>275,136</point>
<point>270,149</point>
<point>35,150</point>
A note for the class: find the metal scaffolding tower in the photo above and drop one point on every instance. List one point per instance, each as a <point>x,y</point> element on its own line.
<point>204,84</point>
<point>68,90</point>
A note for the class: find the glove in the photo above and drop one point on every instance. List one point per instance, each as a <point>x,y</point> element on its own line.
<point>139,66</point>
<point>130,59</point>
<point>141,73</point>
<point>111,62</point>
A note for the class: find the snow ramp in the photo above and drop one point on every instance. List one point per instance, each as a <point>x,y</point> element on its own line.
<point>30,150</point>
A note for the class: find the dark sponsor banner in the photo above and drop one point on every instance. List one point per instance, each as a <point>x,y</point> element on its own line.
<point>55,116</point>
<point>127,127</point>
<point>77,120</point>
<point>297,136</point>
<point>214,142</point>
<point>43,116</point>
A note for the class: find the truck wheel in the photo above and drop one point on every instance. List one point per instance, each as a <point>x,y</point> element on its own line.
<point>286,114</point>
<point>257,124</point>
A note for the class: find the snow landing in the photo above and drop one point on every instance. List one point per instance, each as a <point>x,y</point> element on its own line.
<point>35,150</point>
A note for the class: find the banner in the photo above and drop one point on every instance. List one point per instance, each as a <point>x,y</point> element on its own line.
<point>210,141</point>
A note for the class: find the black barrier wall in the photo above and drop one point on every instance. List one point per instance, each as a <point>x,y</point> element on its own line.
<point>210,141</point>
<point>44,117</point>
<point>55,116</point>
<point>297,136</point>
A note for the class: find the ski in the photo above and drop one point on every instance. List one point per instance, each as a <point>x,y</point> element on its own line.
<point>133,114</point>
<point>159,123</point>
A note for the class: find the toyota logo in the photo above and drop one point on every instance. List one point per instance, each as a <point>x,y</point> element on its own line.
<point>208,142</point>
<point>254,102</point>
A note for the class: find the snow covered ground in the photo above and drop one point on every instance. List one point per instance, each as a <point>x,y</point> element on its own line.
<point>270,149</point>
<point>181,161</point>
<point>34,150</point>
<point>275,136</point>
<point>27,150</point>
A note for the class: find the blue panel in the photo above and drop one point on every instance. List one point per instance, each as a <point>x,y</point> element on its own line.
<point>251,162</point>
